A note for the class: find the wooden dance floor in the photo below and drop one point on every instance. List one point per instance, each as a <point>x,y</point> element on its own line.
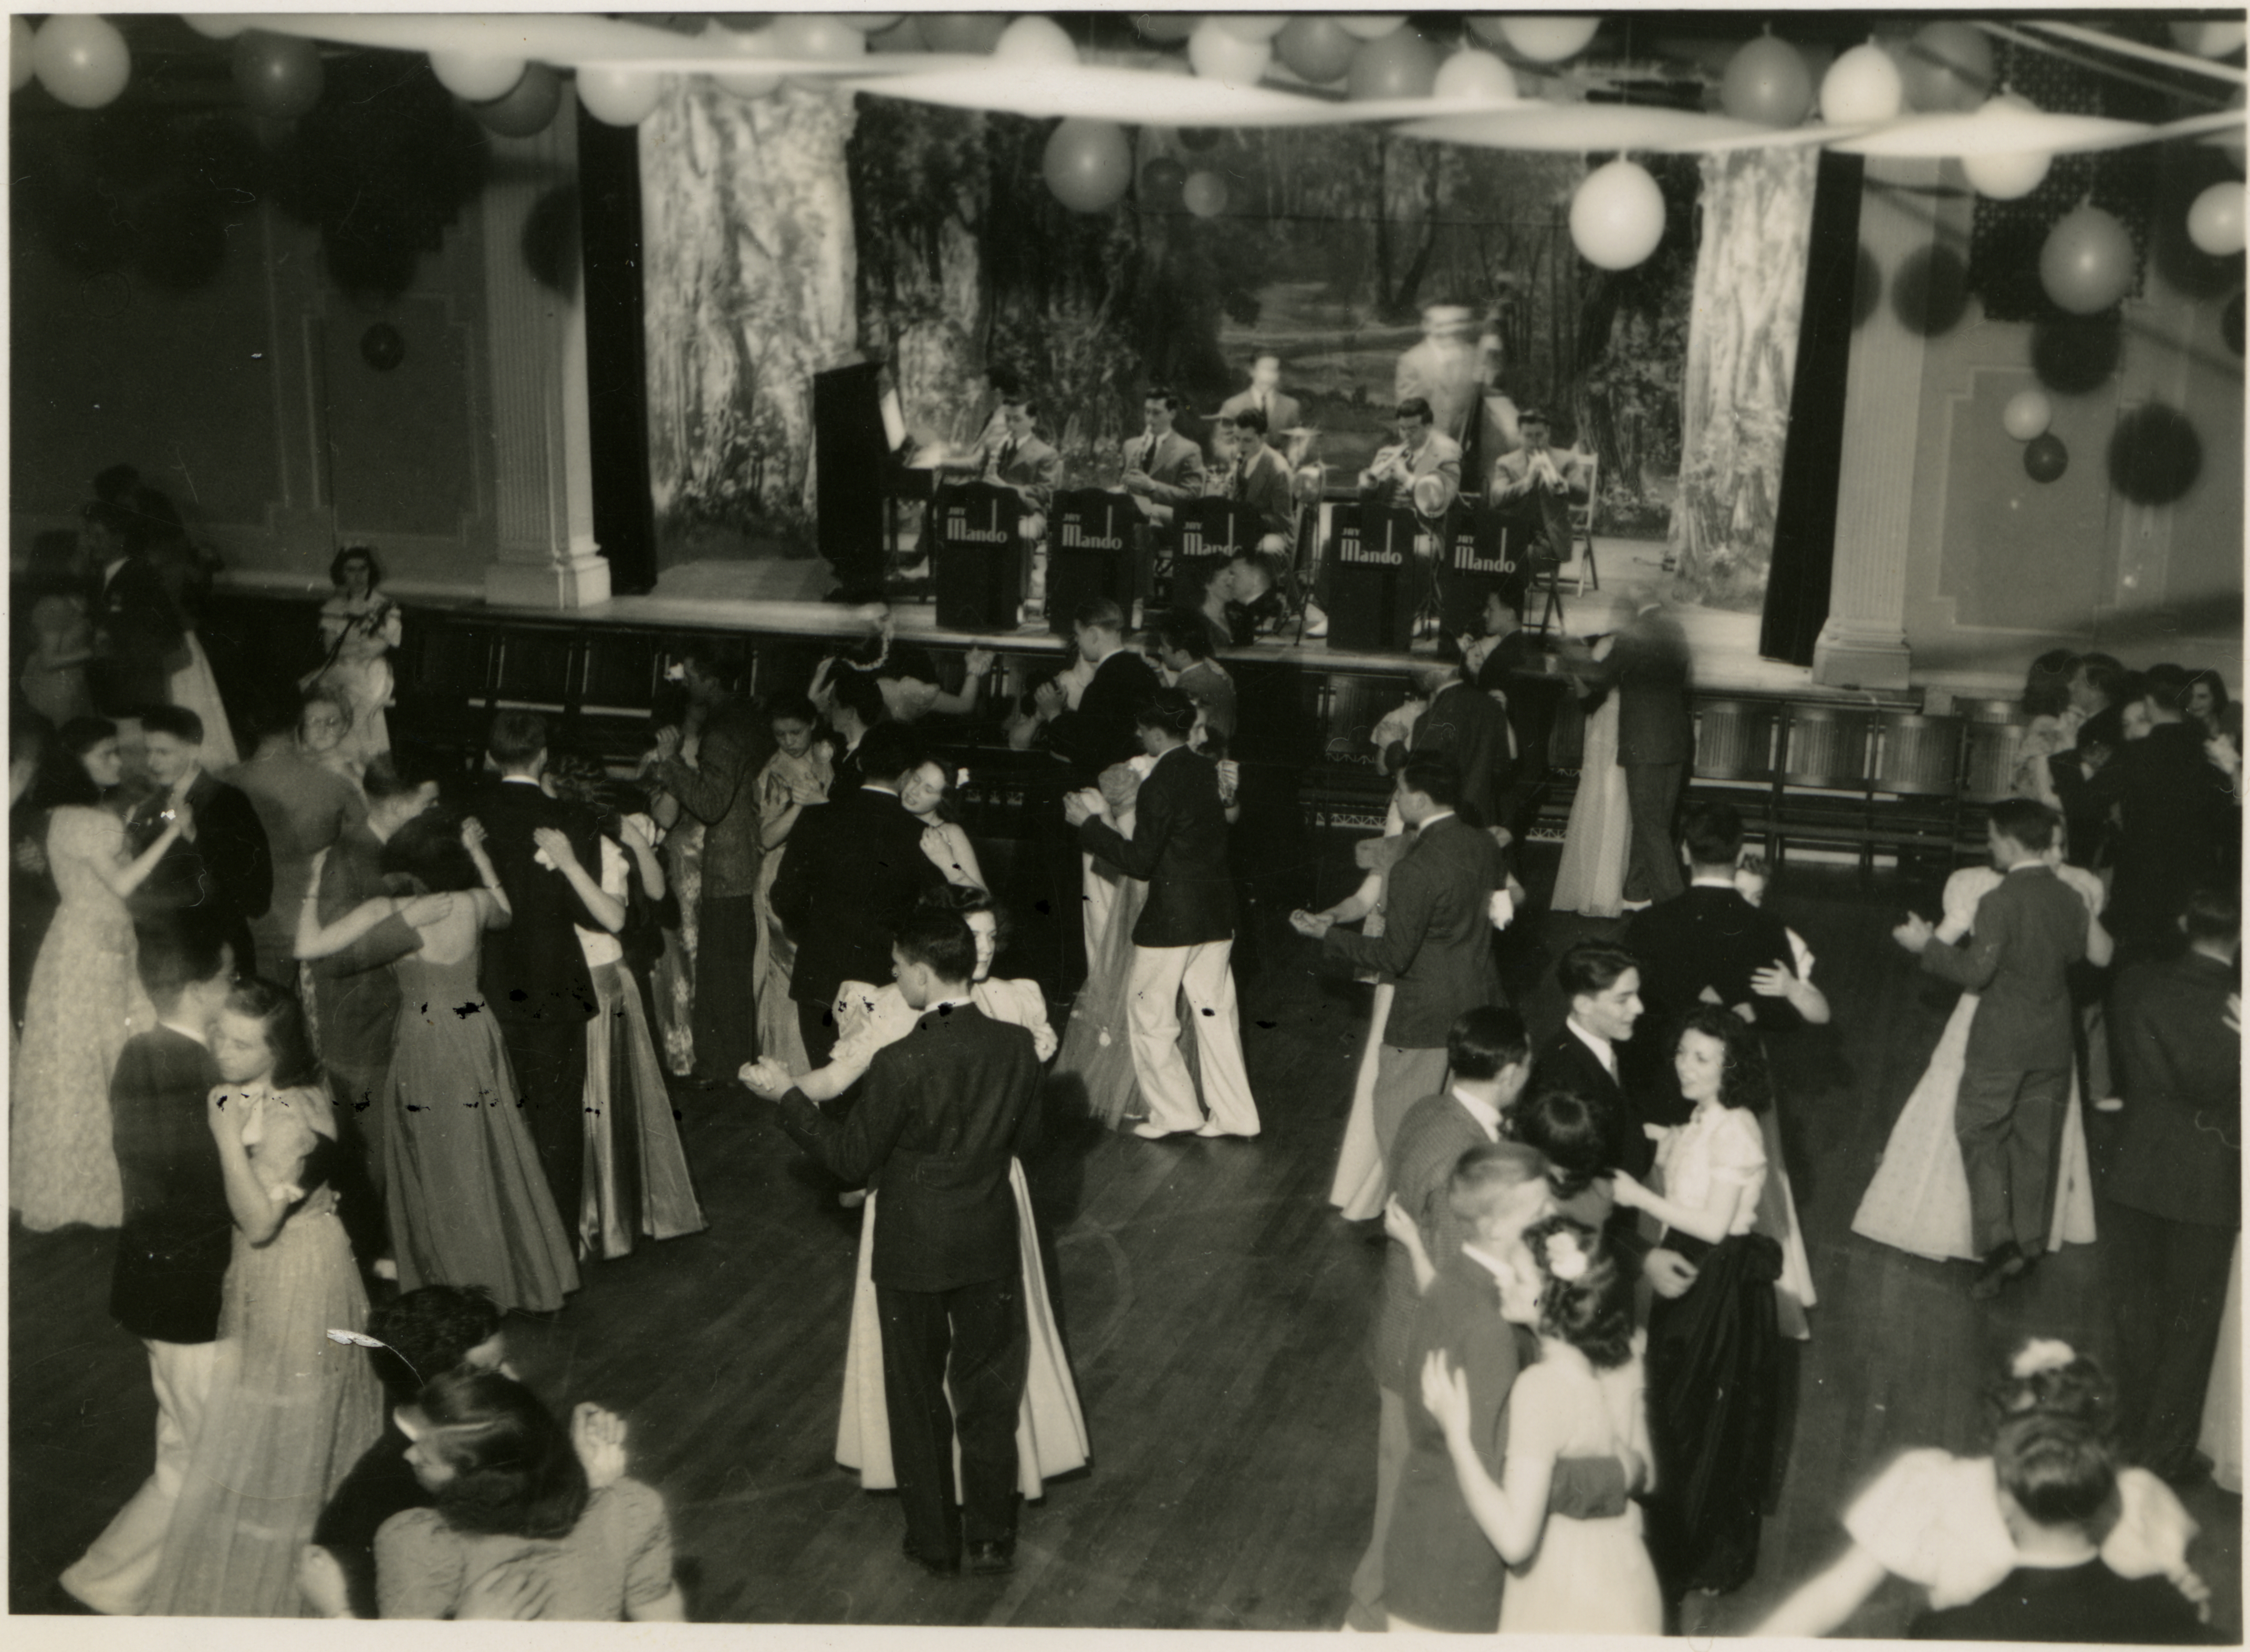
<point>1215,1308</point>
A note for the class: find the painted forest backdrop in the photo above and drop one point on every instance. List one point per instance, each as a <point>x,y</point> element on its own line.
<point>792,233</point>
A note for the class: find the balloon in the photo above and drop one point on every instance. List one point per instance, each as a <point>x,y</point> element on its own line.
<point>1948,67</point>
<point>618,96</point>
<point>2006,177</point>
<point>1471,73</point>
<point>2077,354</point>
<point>1929,293</point>
<point>2209,39</point>
<point>2214,223</point>
<point>1617,217</point>
<point>1549,40</point>
<point>382,347</point>
<point>870,22</point>
<point>1217,55</point>
<point>280,75</point>
<point>1165,28</point>
<point>1317,48</point>
<point>82,60</point>
<point>1205,194</point>
<point>2155,455</point>
<point>970,31</point>
<point>1036,40</point>
<point>476,79</point>
<point>1161,183</point>
<point>1767,82</point>
<point>2028,414</point>
<point>746,84</point>
<point>525,111</point>
<point>1370,25</point>
<point>1088,164</point>
<point>1401,64</point>
<point>20,54</point>
<point>214,25</point>
<point>1251,25</point>
<point>1487,29</point>
<point>2046,458</point>
<point>1861,87</point>
<point>815,36</point>
<point>2087,264</point>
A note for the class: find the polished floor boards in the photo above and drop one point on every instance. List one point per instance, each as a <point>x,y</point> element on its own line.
<point>1215,1310</point>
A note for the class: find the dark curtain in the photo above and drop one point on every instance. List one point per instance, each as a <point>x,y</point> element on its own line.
<point>617,378</point>
<point>1805,518</point>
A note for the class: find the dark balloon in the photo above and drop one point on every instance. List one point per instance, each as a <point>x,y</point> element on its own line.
<point>382,347</point>
<point>525,111</point>
<point>280,75</point>
<point>2076,356</point>
<point>1931,291</point>
<point>2046,458</point>
<point>2155,455</point>
<point>1161,183</point>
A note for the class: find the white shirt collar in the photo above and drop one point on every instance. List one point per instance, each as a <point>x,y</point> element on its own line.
<point>520,780</point>
<point>1429,820</point>
<point>1487,1116</point>
<point>195,1032</point>
<point>109,569</point>
<point>1601,1047</point>
<point>1500,1270</point>
<point>1712,881</point>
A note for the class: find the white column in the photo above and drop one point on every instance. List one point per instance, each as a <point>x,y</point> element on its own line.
<point>536,340</point>
<point>1864,643</point>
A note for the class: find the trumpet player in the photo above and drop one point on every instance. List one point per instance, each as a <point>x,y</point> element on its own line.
<point>1421,470</point>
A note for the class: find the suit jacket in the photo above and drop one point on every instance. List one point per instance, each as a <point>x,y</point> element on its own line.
<point>941,1112</point>
<point>226,874</point>
<point>1513,483</point>
<point>2176,817</point>
<point>1030,467</point>
<point>1179,848</point>
<point>1383,483</point>
<point>1649,669</point>
<point>1282,412</point>
<point>533,970</point>
<point>178,1234</point>
<point>1174,467</point>
<point>2029,931</point>
<point>2180,1147</point>
<point>722,791</point>
<point>1431,1137</point>
<point>1468,725</point>
<point>1101,731</point>
<point>137,629</point>
<point>354,989</point>
<point>1437,933</point>
<point>854,869</point>
<point>1709,936</point>
<point>1266,486</point>
<point>1565,1063</point>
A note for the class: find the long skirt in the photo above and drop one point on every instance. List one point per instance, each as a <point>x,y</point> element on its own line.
<point>1713,1405</point>
<point>636,1178</point>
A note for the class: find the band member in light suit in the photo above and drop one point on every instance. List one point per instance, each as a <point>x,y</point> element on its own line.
<point>1421,471</point>
<point>1259,478</point>
<point>1544,482</point>
<point>1017,459</point>
<point>1162,468</point>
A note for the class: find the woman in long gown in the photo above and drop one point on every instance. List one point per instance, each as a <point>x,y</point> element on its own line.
<point>1714,1352</point>
<point>1918,1200</point>
<point>359,628</point>
<point>86,999</point>
<point>1363,1180</point>
<point>53,679</point>
<point>467,1202</point>
<point>1582,1399</point>
<point>795,778</point>
<point>1050,1435</point>
<point>290,1409</point>
<point>1590,880</point>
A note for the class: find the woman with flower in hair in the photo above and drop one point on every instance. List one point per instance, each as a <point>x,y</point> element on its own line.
<point>1715,1352</point>
<point>1962,1527</point>
<point>1582,1399</point>
<point>928,794</point>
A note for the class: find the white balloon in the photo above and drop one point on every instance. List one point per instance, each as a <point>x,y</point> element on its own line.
<point>1471,73</point>
<point>1205,194</point>
<point>1217,55</point>
<point>2209,39</point>
<point>2007,177</point>
<point>20,54</point>
<point>1371,25</point>
<point>476,79</point>
<point>1036,40</point>
<point>1549,40</point>
<point>618,96</point>
<point>743,84</point>
<point>214,25</point>
<point>1862,86</point>
<point>1251,25</point>
<point>2028,414</point>
<point>83,61</point>
<point>1617,217</point>
<point>2214,223</point>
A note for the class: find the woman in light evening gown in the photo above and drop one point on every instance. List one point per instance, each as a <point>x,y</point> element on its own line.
<point>468,1204</point>
<point>360,627</point>
<point>1918,1200</point>
<point>86,998</point>
<point>795,778</point>
<point>1591,879</point>
<point>1582,1399</point>
<point>290,1408</point>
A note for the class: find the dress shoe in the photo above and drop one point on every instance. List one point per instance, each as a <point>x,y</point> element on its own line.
<point>1212,1128</point>
<point>1149,1131</point>
<point>948,1568</point>
<point>2003,1265</point>
<point>989,1559</point>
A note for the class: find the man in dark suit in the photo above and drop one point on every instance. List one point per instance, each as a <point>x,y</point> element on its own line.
<point>534,976</point>
<point>854,869</point>
<point>2016,1077</point>
<point>1648,668</point>
<point>2172,1201</point>
<point>1259,478</point>
<point>138,634</point>
<point>942,1113</point>
<point>1509,661</point>
<point>1708,944</point>
<point>1102,730</point>
<point>1436,939</point>
<point>1184,939</point>
<point>220,868</point>
<point>174,1246</point>
<point>1469,728</point>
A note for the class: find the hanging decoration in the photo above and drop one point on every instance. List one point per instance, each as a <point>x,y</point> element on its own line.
<point>2087,264</point>
<point>81,61</point>
<point>2028,414</point>
<point>1471,73</point>
<point>527,110</point>
<point>280,75</point>
<point>1205,194</point>
<point>1549,40</point>
<point>1400,65</point>
<point>1253,25</point>
<point>1371,25</point>
<point>2046,458</point>
<point>1862,87</point>
<point>1947,68</point>
<point>1217,55</point>
<point>476,79</point>
<point>1617,217</point>
<point>20,54</point>
<point>619,97</point>
<point>1767,81</point>
<point>2006,177</point>
<point>1088,164</point>
<point>1317,47</point>
<point>2214,223</point>
<point>1035,40</point>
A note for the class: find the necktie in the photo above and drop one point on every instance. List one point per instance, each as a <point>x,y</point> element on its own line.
<point>1240,479</point>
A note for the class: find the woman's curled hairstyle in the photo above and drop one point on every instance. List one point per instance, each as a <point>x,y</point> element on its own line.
<point>275,1010</point>
<point>1587,1299</point>
<point>2052,1379</point>
<point>1743,1081</point>
<point>515,1473</point>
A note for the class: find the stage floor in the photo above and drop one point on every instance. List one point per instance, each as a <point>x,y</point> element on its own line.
<point>1214,1307</point>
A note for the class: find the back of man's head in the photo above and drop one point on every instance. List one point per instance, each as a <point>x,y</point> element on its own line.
<point>516,739</point>
<point>178,722</point>
<point>940,941</point>
<point>2025,822</point>
<point>1167,709</point>
<point>1491,1175</point>
<point>1484,1040</point>
<point>888,750</point>
<point>176,952</point>
<point>1433,776</point>
<point>1099,613</point>
<point>2214,918</point>
<point>1713,831</point>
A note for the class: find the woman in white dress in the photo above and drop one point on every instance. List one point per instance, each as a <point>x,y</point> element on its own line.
<point>359,628</point>
<point>1583,1399</point>
<point>1590,880</point>
<point>1050,1435</point>
<point>1918,1201</point>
